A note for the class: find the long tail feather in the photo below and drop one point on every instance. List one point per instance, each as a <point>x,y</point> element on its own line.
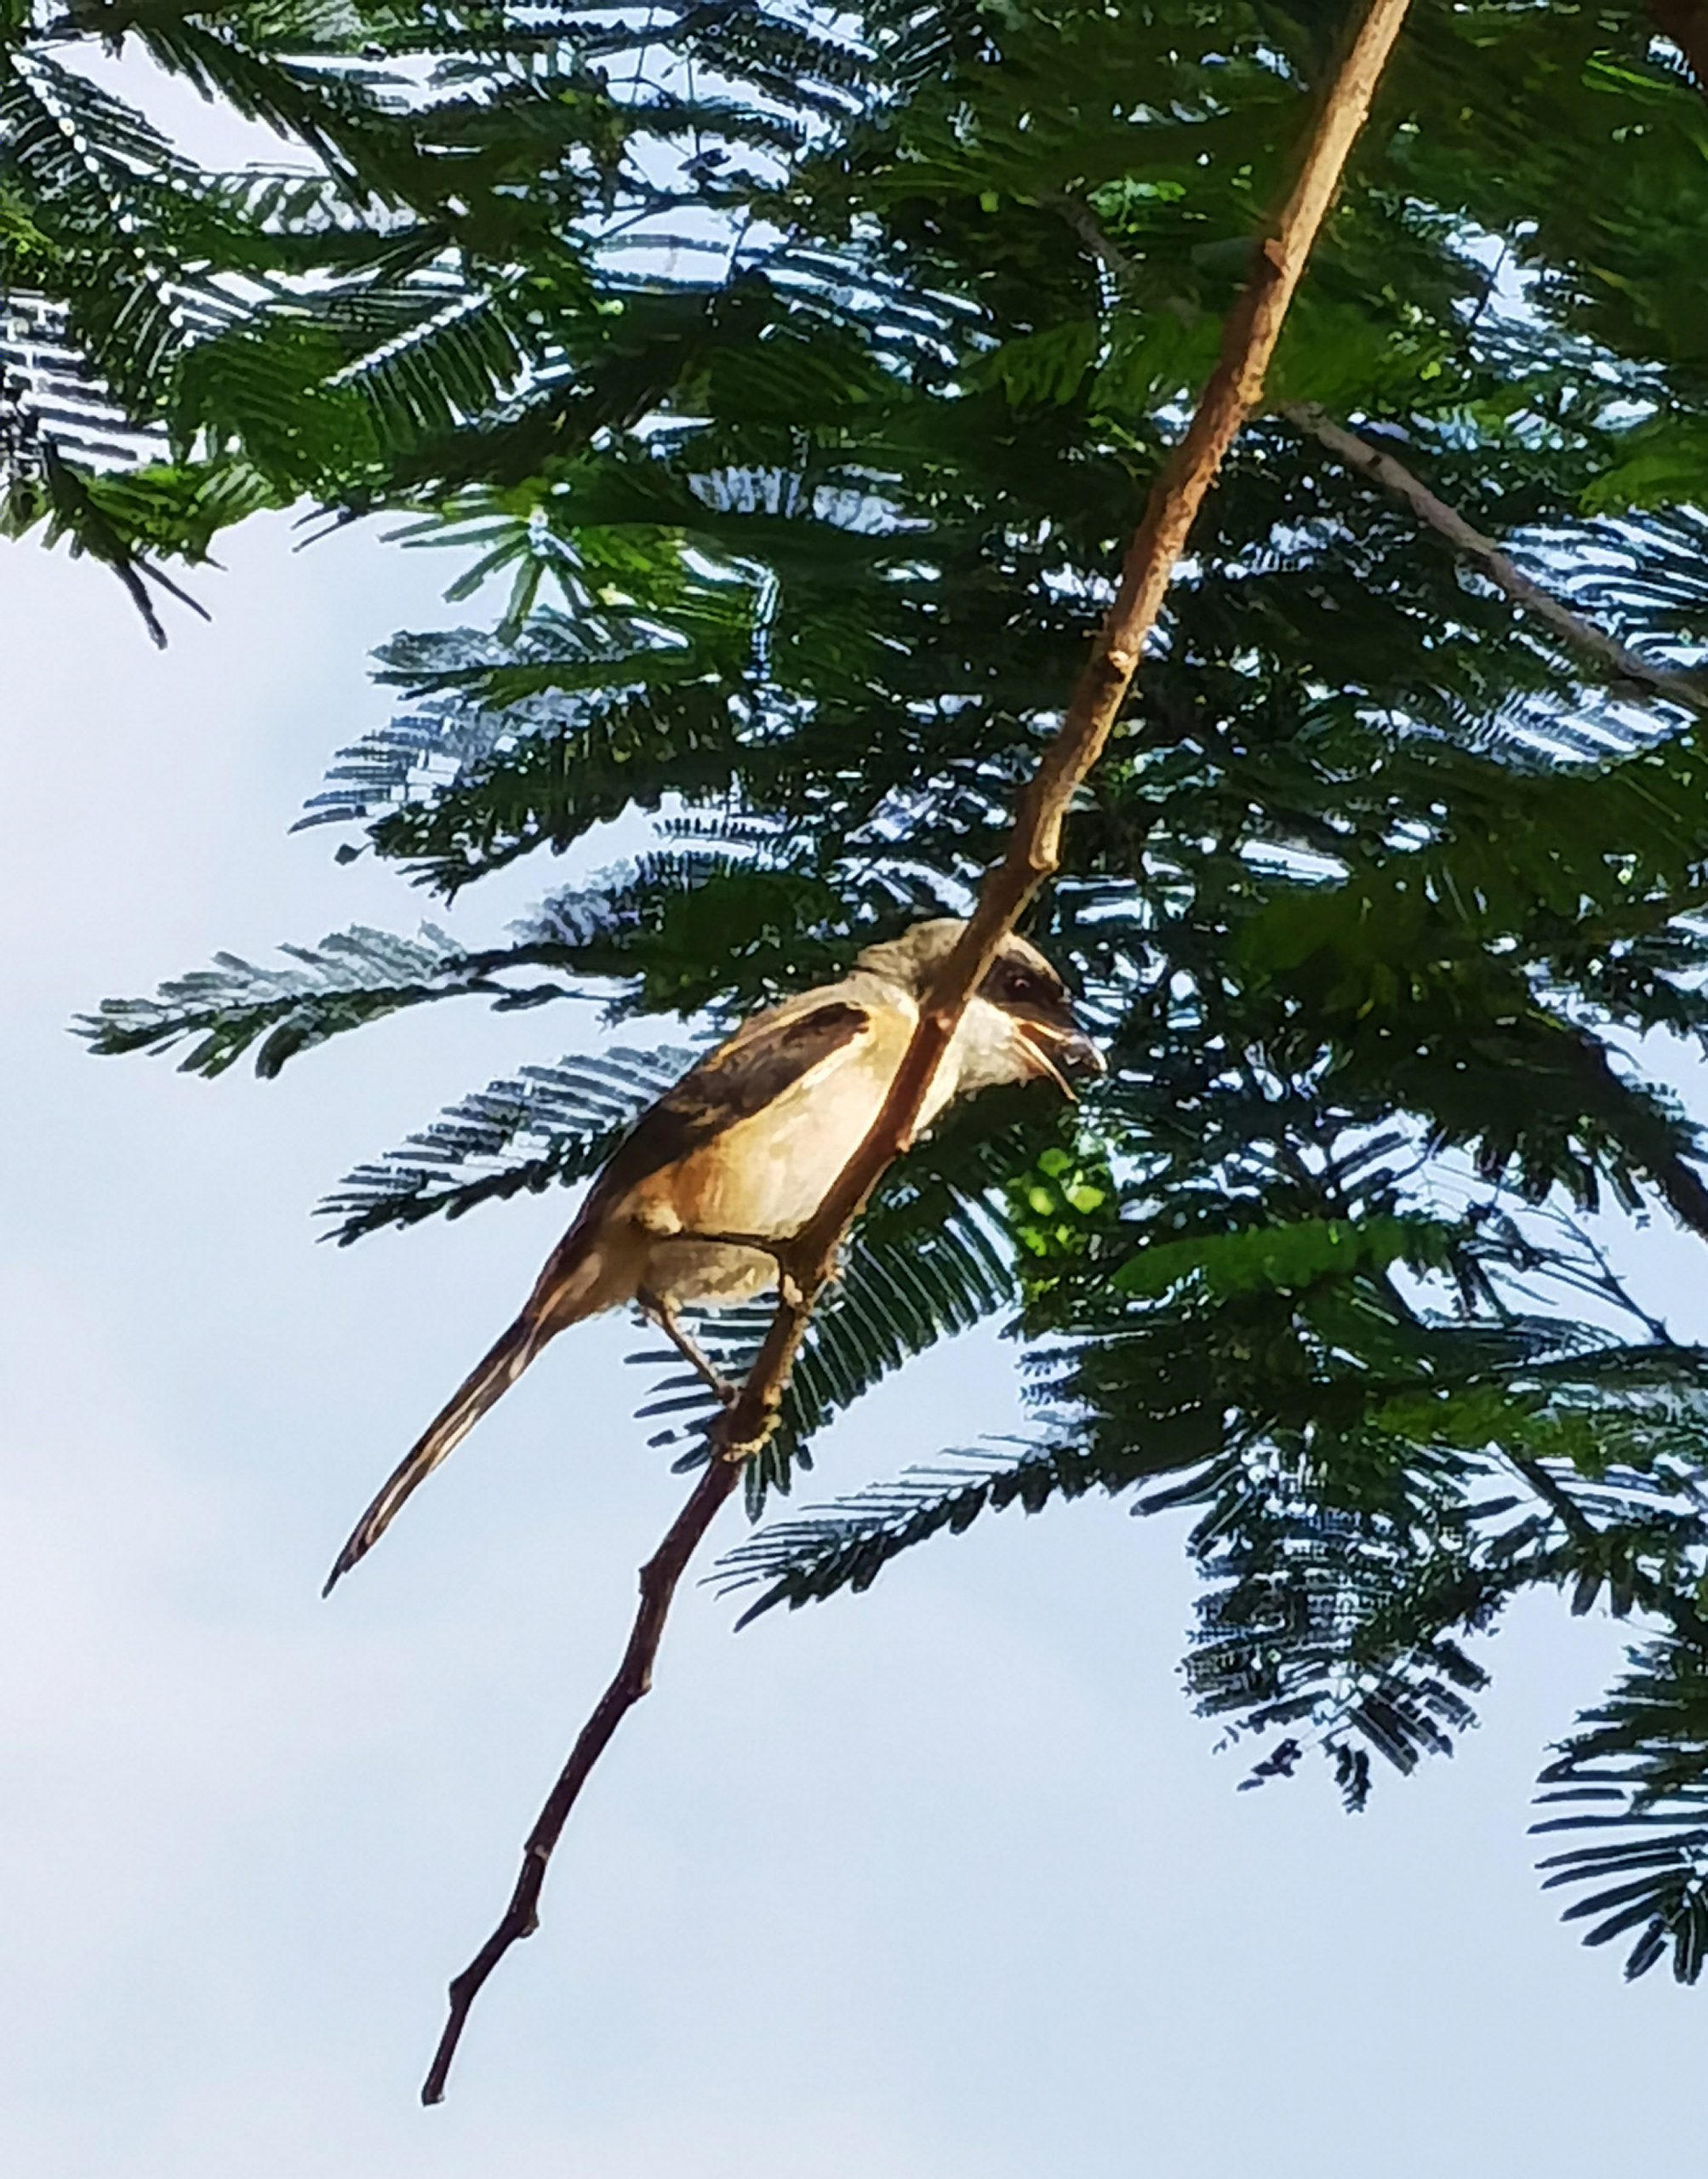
<point>492,1377</point>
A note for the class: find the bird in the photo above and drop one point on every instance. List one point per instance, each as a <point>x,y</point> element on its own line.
<point>698,1203</point>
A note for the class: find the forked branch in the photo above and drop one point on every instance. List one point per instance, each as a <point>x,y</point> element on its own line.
<point>1249,339</point>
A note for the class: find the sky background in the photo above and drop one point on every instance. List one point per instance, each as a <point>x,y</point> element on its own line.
<point>943,1881</point>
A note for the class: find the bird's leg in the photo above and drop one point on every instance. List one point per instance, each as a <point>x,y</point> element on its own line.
<point>662,1312</point>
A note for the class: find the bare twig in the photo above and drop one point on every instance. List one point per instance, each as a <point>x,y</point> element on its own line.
<point>1583,636</point>
<point>1249,339</point>
<point>1121,267</point>
<point>634,1677</point>
<point>1234,388</point>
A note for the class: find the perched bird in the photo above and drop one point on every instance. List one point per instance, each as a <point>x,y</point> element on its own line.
<point>743,1150</point>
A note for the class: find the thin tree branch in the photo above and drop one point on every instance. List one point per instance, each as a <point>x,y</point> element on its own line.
<point>1560,1502</point>
<point>634,1678</point>
<point>1249,338</point>
<point>1385,469</point>
<point>1121,267</point>
<point>1382,468</point>
<point>1652,1595</point>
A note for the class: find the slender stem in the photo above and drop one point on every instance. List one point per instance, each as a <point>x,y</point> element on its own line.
<point>633,1678</point>
<point>1383,468</point>
<point>1653,1595</point>
<point>1570,1515</point>
<point>1249,338</point>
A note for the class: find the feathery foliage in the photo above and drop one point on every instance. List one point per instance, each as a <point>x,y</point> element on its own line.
<point>1634,1771</point>
<point>795,380</point>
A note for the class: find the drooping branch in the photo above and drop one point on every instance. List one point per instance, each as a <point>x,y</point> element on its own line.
<point>1102,246</point>
<point>1583,636</point>
<point>1234,388</point>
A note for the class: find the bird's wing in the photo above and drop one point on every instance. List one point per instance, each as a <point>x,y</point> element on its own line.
<point>767,1055</point>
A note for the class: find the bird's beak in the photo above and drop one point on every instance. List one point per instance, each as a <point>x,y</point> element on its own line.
<point>1062,1053</point>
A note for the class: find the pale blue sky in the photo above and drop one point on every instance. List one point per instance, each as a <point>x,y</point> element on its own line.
<point>941,1883</point>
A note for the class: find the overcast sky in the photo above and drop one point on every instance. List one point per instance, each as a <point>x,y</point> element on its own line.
<point>941,1883</point>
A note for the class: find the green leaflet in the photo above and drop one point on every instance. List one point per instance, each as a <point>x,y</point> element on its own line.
<point>1633,1775</point>
<point>1285,1257</point>
<point>351,978</point>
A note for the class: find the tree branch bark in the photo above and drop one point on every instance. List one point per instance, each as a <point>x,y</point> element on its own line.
<point>1233,389</point>
<point>1383,468</point>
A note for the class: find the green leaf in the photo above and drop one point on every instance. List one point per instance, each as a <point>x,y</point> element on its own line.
<point>1285,1257</point>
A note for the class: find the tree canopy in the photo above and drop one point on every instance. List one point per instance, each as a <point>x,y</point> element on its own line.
<point>792,379</point>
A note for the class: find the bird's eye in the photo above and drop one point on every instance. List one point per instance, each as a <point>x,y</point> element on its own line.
<point>1020,984</point>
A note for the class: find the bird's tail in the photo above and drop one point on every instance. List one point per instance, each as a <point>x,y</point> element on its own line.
<point>553,1304</point>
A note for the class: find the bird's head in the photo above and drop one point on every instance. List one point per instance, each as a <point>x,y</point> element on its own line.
<point>1020,1025</point>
